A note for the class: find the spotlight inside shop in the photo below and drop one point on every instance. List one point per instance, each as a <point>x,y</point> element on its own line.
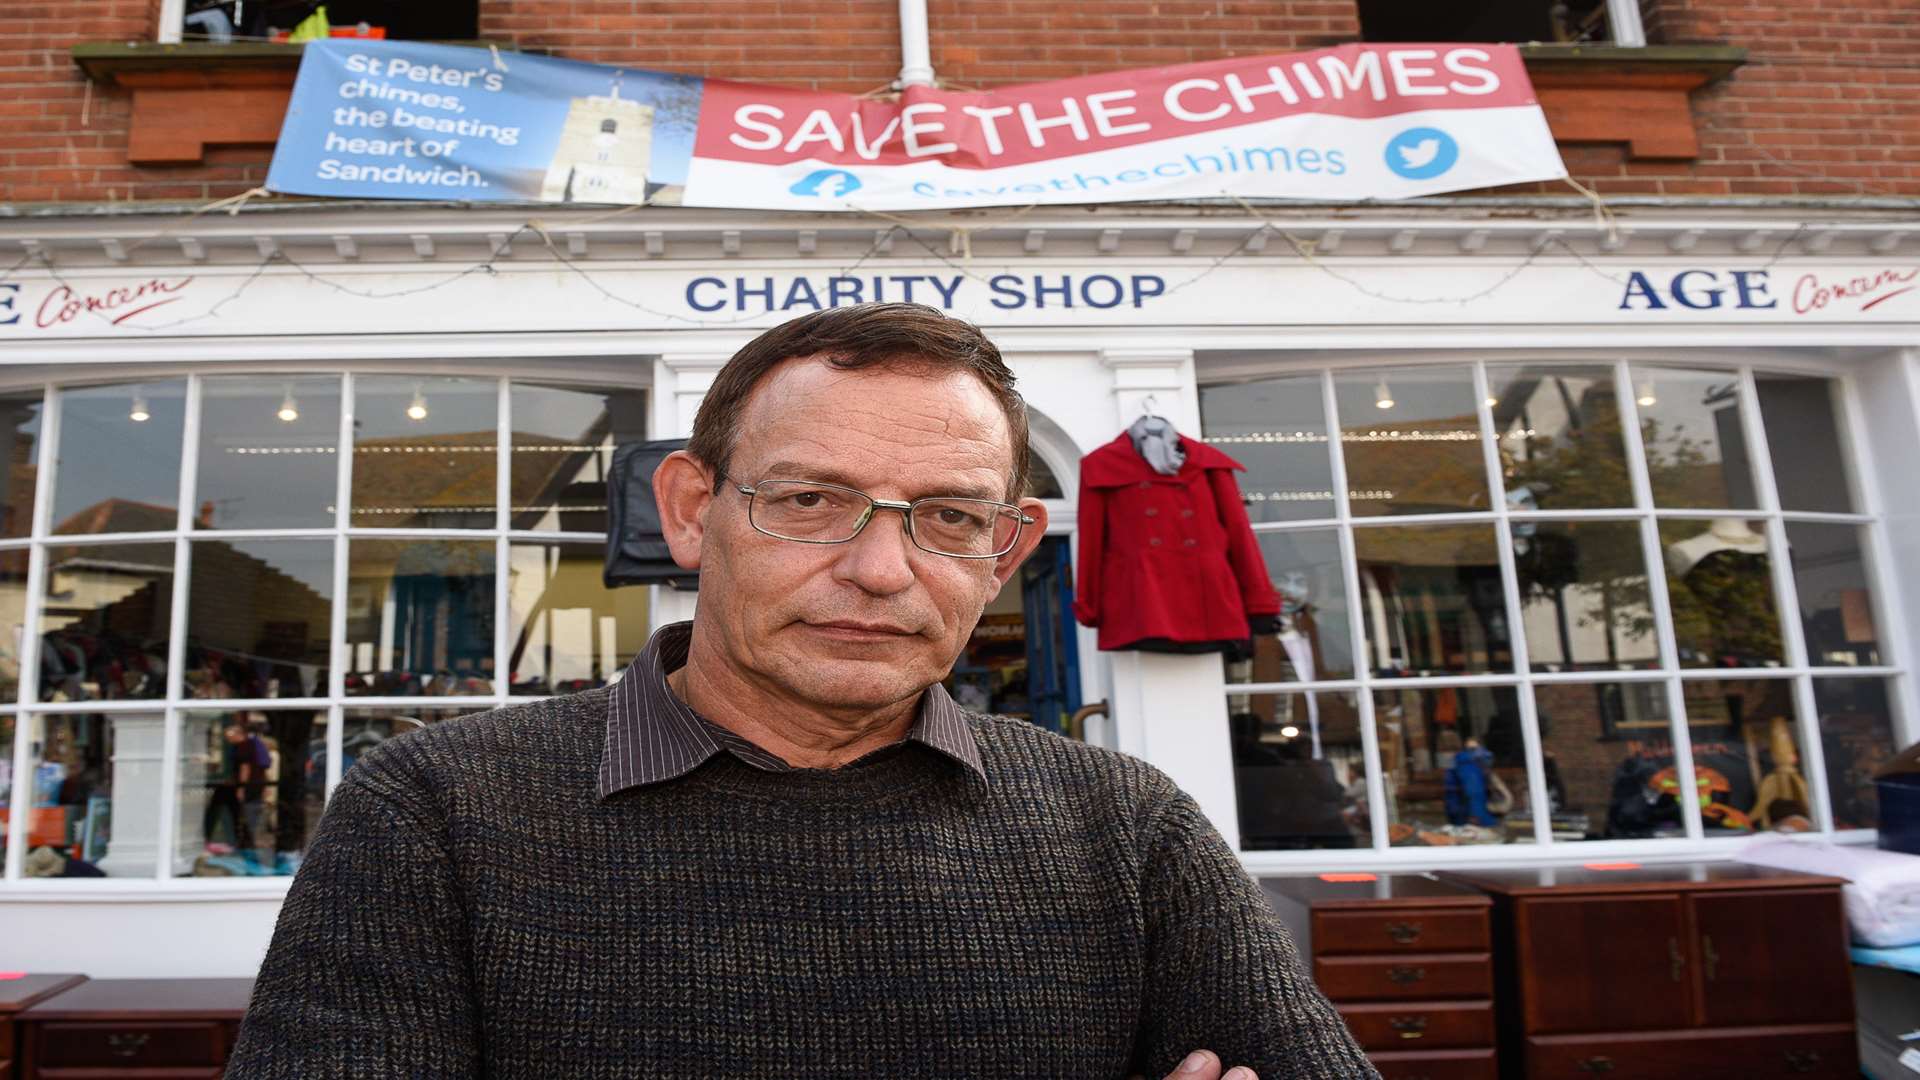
<point>1493,402</point>
<point>1289,732</point>
<point>1645,396</point>
<point>139,414</point>
<point>417,408</point>
<point>1382,395</point>
<point>289,408</point>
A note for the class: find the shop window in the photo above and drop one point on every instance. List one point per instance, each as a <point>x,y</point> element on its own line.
<point>275,20</point>
<point>107,617</point>
<point>252,786</point>
<point>365,729</point>
<point>1299,772</point>
<point>20,428</point>
<point>1501,20</point>
<point>267,455</point>
<point>563,441</point>
<point>425,452</point>
<point>1723,570</point>
<point>94,792</point>
<point>420,618</point>
<point>1277,428</point>
<point>118,465</point>
<point>567,631</point>
<point>259,617</point>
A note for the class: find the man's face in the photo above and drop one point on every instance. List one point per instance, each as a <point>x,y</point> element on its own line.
<point>871,622</point>
<point>235,733</point>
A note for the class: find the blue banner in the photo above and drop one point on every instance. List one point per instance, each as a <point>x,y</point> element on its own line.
<point>402,120</point>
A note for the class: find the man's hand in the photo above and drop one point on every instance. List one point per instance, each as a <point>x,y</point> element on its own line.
<point>1203,1065</point>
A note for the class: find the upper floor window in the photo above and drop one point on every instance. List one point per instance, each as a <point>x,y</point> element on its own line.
<point>276,20</point>
<point>1592,22</point>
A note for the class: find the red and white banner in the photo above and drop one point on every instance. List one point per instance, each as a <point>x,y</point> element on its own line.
<point>1347,123</point>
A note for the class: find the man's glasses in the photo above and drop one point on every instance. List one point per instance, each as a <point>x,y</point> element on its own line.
<point>808,512</point>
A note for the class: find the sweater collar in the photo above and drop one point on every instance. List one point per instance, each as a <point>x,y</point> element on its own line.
<point>653,736</point>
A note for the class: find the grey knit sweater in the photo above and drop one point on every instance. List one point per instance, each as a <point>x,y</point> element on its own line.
<point>469,908</point>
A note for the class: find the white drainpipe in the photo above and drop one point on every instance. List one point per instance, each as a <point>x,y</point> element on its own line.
<point>916,60</point>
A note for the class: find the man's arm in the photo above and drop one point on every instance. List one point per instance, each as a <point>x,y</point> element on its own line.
<point>1222,971</point>
<point>368,973</point>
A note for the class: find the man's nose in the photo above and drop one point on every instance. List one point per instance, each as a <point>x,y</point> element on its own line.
<point>880,559</point>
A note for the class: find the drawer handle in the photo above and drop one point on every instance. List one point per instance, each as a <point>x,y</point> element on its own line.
<point>1404,932</point>
<point>127,1045</point>
<point>1597,1064</point>
<point>1405,975</point>
<point>1409,1027</point>
<point>1803,1061</point>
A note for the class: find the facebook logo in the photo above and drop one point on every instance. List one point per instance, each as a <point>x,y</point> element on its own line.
<point>826,183</point>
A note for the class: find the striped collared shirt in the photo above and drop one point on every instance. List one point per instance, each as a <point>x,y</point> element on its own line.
<point>652,735</point>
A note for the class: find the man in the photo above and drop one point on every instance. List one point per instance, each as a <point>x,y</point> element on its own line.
<point>777,848</point>
<point>243,774</point>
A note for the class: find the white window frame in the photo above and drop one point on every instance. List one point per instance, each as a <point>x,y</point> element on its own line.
<point>1869,517</point>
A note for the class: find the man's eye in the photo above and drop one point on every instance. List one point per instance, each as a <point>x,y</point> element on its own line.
<point>955,517</point>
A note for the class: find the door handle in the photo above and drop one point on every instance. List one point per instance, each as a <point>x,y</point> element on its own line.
<point>1404,932</point>
<point>1597,1064</point>
<point>1676,960</point>
<point>1409,1027</point>
<point>1712,958</point>
<point>1405,975</point>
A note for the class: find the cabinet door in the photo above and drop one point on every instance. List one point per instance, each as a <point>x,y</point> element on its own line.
<point>1773,957</point>
<point>1604,963</point>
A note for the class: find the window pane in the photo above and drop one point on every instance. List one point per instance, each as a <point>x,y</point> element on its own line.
<point>563,442</point>
<point>1720,583</point>
<point>420,617</point>
<point>1856,737</point>
<point>1277,428</point>
<point>365,729</point>
<point>258,618</point>
<point>1298,771</point>
<point>1411,440</point>
<point>107,619</point>
<point>1559,437</point>
<point>425,452</point>
<point>6,778</point>
<point>119,459</point>
<point>96,797</point>
<point>1830,579</point>
<point>1432,600</point>
<point>252,786</point>
<point>1584,598</point>
<point>570,632</point>
<point>13,627</point>
<point>1315,638</point>
<point>1746,755</point>
<point>1802,417</point>
<point>1454,765</point>
<point>1696,446</point>
<point>1608,751</point>
<point>268,452</point>
<point>20,429</point>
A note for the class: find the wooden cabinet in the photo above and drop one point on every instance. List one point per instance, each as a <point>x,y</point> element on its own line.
<point>1406,960</point>
<point>1685,970</point>
<point>134,1029</point>
<point>18,992</point>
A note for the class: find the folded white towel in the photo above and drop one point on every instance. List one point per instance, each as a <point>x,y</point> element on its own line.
<point>1883,890</point>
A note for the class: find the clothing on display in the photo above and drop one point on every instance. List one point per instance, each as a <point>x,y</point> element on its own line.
<point>1168,561</point>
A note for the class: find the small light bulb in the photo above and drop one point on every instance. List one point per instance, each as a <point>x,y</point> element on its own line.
<point>139,414</point>
<point>289,408</point>
<point>1289,732</point>
<point>1646,395</point>
<point>417,408</point>
<point>1382,396</point>
<point>1493,402</point>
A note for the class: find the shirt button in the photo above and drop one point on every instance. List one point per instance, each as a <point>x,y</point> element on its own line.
<point>1153,511</point>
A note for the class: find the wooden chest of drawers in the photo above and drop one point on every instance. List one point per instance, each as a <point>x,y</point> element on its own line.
<point>19,991</point>
<point>134,1029</point>
<point>1407,961</point>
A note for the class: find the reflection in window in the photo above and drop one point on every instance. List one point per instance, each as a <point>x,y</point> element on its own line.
<point>1315,636</point>
<point>259,617</point>
<point>1042,483</point>
<point>20,429</point>
<point>268,455</point>
<point>420,617</point>
<point>1558,430</point>
<point>106,621</point>
<point>1454,765</point>
<point>1607,749</point>
<point>1802,418</point>
<point>365,729</point>
<point>1299,775</point>
<point>1695,443</point>
<point>252,786</point>
<point>119,459</point>
<point>1830,580</point>
<point>563,442</point>
<point>95,782</point>
<point>1277,428</point>
<point>1431,600</point>
<point>1583,595</point>
<point>569,631</point>
<point>1720,586</point>
<point>1411,441</point>
<point>425,452</point>
<point>13,629</point>
<point>6,779</point>
<point>1746,755</point>
<point>1856,739</point>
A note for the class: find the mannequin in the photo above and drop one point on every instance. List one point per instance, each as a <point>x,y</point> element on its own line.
<point>1725,534</point>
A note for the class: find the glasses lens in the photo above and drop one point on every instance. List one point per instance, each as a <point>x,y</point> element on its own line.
<point>966,527</point>
<point>817,513</point>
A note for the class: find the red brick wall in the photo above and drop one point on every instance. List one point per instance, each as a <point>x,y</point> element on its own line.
<point>1828,105</point>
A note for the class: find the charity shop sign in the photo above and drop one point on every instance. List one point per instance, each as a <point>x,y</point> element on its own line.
<point>401,120</point>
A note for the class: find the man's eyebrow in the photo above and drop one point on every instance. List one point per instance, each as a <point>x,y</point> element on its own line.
<point>827,474</point>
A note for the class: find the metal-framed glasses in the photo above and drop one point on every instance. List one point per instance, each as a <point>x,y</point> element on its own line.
<point>809,512</point>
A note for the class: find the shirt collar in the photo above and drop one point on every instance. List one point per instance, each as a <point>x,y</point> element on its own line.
<point>653,736</point>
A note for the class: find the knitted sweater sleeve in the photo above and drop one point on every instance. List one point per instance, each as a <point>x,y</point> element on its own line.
<point>367,974</point>
<point>1222,973</point>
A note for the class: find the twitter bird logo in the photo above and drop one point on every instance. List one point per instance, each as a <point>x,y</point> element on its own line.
<point>1421,153</point>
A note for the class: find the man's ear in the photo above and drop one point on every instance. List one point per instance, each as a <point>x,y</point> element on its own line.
<point>1030,537</point>
<point>683,488</point>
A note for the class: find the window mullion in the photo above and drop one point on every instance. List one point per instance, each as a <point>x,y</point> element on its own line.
<point>1623,18</point>
<point>502,552</point>
<point>182,588</point>
<point>1356,631</point>
<point>20,821</point>
<point>337,645</point>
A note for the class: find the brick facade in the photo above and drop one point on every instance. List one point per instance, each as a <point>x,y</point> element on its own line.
<point>1828,103</point>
